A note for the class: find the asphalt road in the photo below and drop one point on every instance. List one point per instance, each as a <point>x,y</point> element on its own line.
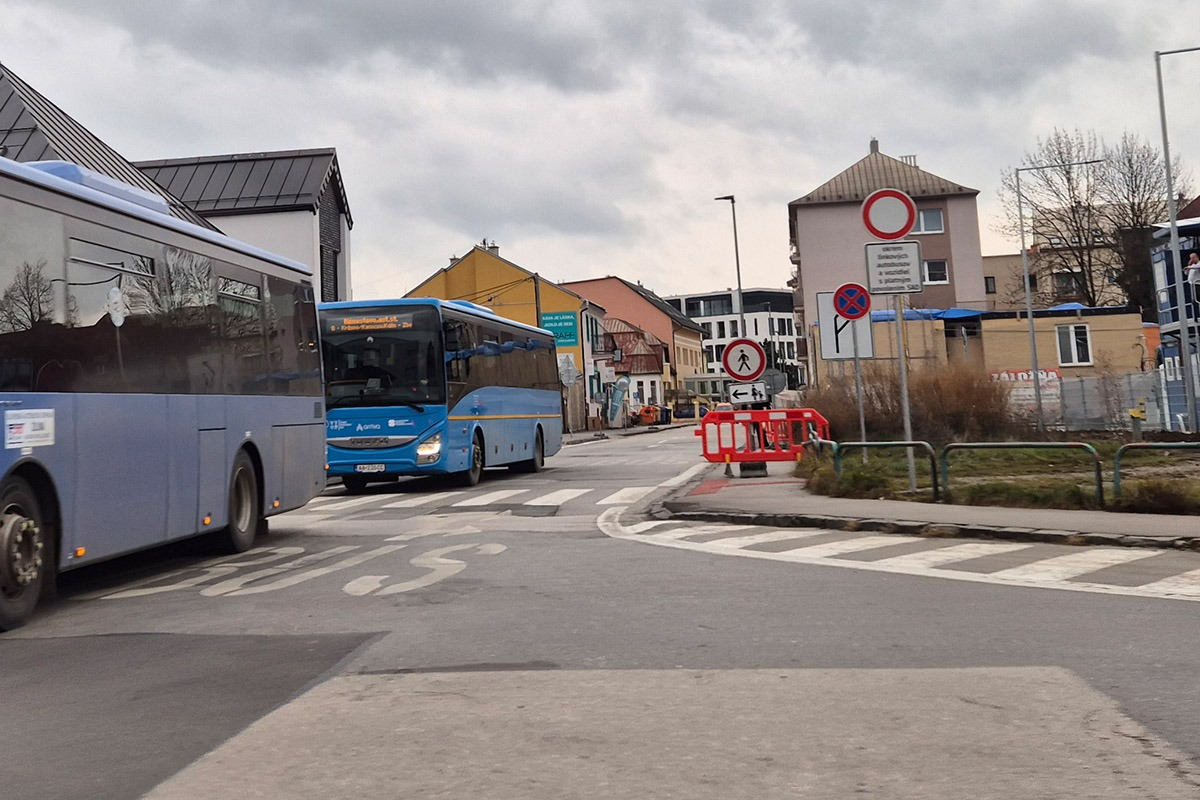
<point>495,642</point>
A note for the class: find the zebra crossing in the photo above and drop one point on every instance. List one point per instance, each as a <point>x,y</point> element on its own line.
<point>1164,574</point>
<point>537,497</point>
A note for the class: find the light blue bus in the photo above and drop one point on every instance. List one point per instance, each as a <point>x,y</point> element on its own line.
<point>157,380</point>
<point>422,386</point>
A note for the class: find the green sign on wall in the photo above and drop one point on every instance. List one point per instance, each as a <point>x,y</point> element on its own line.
<point>564,325</point>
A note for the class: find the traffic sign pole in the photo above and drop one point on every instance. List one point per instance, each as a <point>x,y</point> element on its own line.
<point>902,361</point>
<point>862,419</point>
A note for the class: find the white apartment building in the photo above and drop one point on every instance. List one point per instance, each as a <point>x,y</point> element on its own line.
<point>770,321</point>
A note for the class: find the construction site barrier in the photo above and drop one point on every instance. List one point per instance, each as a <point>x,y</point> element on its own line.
<point>769,434</point>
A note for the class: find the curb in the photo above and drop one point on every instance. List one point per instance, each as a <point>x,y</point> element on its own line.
<point>675,510</point>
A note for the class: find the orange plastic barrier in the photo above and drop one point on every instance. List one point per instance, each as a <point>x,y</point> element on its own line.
<point>770,434</point>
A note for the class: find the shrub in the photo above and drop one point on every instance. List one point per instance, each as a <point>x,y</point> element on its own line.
<point>1027,494</point>
<point>1158,496</point>
<point>950,403</point>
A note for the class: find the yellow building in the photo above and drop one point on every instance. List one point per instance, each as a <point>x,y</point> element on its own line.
<point>510,290</point>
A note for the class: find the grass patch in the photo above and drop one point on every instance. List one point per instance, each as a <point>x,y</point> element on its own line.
<point>1159,496</point>
<point>1027,494</point>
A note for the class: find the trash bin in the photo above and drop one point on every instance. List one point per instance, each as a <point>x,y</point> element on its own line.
<point>648,415</point>
<point>665,417</point>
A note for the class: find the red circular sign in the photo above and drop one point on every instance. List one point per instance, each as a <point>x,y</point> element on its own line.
<point>744,359</point>
<point>851,301</point>
<point>889,214</point>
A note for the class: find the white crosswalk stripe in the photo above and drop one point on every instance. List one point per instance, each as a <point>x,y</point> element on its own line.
<point>557,498</point>
<point>344,504</point>
<point>630,494</point>
<point>838,548</point>
<point>952,554</point>
<point>1186,584</point>
<point>769,536</point>
<point>699,530</point>
<point>1072,565</point>
<point>419,500</point>
<point>489,498</point>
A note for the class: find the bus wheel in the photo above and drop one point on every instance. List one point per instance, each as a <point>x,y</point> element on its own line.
<point>536,463</point>
<point>354,484</point>
<point>244,510</point>
<point>23,553</point>
<point>471,476</point>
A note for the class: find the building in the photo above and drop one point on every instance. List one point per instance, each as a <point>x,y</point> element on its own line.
<point>289,202</point>
<point>483,277</point>
<point>828,235</point>
<point>638,355</point>
<point>770,321</point>
<point>682,339</point>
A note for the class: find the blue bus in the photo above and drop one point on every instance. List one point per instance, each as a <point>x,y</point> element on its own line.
<point>422,386</point>
<point>158,380</point>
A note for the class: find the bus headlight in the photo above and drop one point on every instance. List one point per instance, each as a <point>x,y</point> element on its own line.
<point>430,450</point>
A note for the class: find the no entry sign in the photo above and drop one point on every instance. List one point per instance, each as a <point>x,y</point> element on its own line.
<point>889,214</point>
<point>851,301</point>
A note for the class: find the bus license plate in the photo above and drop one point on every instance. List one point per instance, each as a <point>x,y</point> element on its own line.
<point>369,467</point>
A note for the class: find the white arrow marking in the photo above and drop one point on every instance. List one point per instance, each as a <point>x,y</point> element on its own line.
<point>435,561</point>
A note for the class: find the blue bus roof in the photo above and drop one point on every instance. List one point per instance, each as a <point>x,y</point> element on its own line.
<point>454,305</point>
<point>75,183</point>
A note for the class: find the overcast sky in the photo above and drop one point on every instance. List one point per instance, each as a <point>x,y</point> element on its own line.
<point>589,138</point>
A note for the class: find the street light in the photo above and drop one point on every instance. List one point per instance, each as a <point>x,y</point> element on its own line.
<point>1037,378</point>
<point>1185,324</point>
<point>737,261</point>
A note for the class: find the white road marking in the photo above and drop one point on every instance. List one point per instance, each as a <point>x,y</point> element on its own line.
<point>1185,583</point>
<point>435,560</point>
<point>1060,568</point>
<point>949,555</point>
<point>309,574</point>
<point>490,497</point>
<point>838,548</point>
<point>770,536</point>
<point>210,570</point>
<point>418,500</point>
<point>698,530</point>
<point>233,584</point>
<point>630,494</point>
<point>1180,588</point>
<point>685,476</point>
<point>358,501</point>
<point>557,498</point>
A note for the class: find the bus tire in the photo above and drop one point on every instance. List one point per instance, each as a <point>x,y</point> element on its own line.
<point>245,511</point>
<point>471,475</point>
<point>354,484</point>
<point>24,553</point>
<point>538,460</point>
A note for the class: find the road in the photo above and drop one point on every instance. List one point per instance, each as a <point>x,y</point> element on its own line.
<point>534,636</point>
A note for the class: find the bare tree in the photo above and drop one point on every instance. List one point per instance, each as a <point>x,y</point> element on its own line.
<point>1091,224</point>
<point>27,300</point>
<point>1134,190</point>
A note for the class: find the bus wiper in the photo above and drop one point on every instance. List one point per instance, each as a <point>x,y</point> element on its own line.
<point>373,401</point>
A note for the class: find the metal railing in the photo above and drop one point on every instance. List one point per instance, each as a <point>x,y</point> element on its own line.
<point>1144,446</point>
<point>838,447</point>
<point>1018,446</point>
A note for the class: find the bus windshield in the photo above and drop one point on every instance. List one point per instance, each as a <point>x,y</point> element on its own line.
<point>384,356</point>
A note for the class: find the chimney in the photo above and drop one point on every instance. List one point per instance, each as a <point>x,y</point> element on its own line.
<point>493,248</point>
<point>874,145</point>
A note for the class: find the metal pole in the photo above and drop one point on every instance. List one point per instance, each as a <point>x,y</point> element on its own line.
<point>902,360</point>
<point>862,420</point>
<point>1185,323</point>
<point>737,262</point>
<point>1037,378</point>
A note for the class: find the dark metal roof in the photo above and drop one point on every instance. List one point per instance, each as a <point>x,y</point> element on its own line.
<point>34,129</point>
<point>246,183</point>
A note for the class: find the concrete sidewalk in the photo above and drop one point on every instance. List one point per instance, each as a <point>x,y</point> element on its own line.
<point>580,437</point>
<point>780,500</point>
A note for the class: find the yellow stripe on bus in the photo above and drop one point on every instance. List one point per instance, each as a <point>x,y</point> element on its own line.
<point>507,416</point>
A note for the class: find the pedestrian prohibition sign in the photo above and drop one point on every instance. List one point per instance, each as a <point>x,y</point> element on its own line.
<point>744,359</point>
<point>851,301</point>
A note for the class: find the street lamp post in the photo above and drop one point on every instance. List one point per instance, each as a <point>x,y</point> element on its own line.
<point>1185,324</point>
<point>737,261</point>
<point>1033,359</point>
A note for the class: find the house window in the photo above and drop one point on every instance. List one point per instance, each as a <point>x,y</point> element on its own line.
<point>1064,284</point>
<point>693,308</point>
<point>1074,345</point>
<point>733,328</point>
<point>720,330</point>
<point>929,220</point>
<point>708,354</point>
<point>720,352</point>
<point>707,329</point>
<point>791,350</point>
<point>937,271</point>
<point>756,326</point>
<point>989,284</point>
